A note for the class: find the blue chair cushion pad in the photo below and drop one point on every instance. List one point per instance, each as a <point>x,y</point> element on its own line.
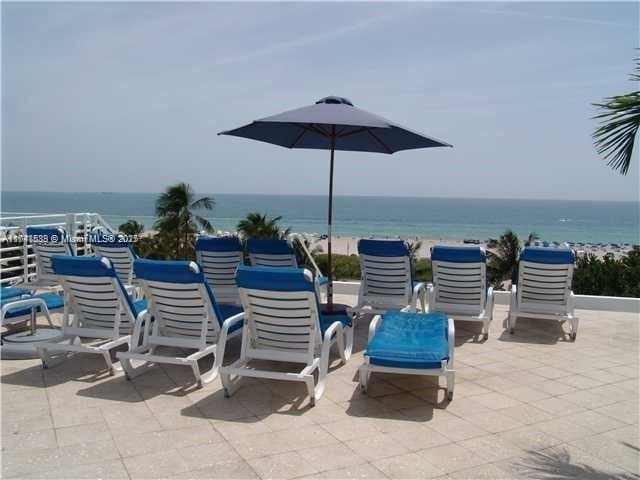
<point>13,292</point>
<point>410,340</point>
<point>326,319</point>
<point>228,311</point>
<point>138,306</point>
<point>53,302</point>
<point>322,280</point>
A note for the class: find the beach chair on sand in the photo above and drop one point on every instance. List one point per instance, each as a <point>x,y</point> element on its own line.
<point>102,311</point>
<point>543,289</point>
<point>280,253</point>
<point>285,323</point>
<point>185,315</point>
<point>459,286</point>
<point>410,343</point>
<point>118,250</point>
<point>47,242</point>
<point>386,273</point>
<point>219,258</point>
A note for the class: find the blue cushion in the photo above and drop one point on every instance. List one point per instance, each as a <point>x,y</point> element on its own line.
<point>275,279</point>
<point>458,254</point>
<point>552,256</point>
<point>53,302</point>
<point>82,266</point>
<point>138,306</point>
<point>410,340</point>
<point>13,292</point>
<point>320,280</point>
<point>171,271</point>
<point>47,234</point>
<point>383,248</point>
<point>228,311</point>
<point>218,244</point>
<point>326,319</point>
<point>275,247</point>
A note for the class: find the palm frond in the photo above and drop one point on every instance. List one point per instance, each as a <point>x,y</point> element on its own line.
<point>620,120</point>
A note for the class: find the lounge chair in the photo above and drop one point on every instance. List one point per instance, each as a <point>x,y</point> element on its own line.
<point>47,242</point>
<point>387,282</point>
<point>459,286</point>
<point>19,304</point>
<point>185,315</point>
<point>543,289</point>
<point>219,258</point>
<point>102,310</point>
<point>118,250</point>
<point>410,343</point>
<point>284,323</point>
<point>280,253</point>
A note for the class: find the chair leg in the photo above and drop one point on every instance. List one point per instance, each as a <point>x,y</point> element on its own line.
<point>511,322</point>
<point>485,329</point>
<point>196,372</point>
<point>348,347</point>
<point>364,373</point>
<point>451,380</point>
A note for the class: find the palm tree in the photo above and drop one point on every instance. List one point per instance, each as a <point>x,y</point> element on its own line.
<point>131,228</point>
<point>504,261</point>
<point>620,121</point>
<point>256,225</point>
<point>177,223</point>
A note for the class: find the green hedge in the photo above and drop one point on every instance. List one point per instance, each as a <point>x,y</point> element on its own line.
<point>607,276</point>
<point>347,267</point>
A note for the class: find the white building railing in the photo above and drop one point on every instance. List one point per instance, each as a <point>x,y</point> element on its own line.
<point>17,258</point>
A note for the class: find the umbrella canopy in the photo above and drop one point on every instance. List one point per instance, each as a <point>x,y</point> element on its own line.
<point>333,123</point>
<point>334,118</point>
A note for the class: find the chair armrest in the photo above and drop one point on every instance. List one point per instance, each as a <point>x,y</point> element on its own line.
<point>373,327</point>
<point>418,289</point>
<point>229,322</point>
<point>451,338</point>
<point>26,303</point>
<point>490,301</point>
<point>137,329</point>
<point>431,296</point>
<point>222,338</point>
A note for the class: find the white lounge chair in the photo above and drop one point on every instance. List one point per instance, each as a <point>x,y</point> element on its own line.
<point>185,315</point>
<point>219,258</point>
<point>410,343</point>
<point>101,309</point>
<point>118,250</point>
<point>386,273</point>
<point>280,253</point>
<point>459,286</point>
<point>284,323</point>
<point>543,289</point>
<point>47,242</point>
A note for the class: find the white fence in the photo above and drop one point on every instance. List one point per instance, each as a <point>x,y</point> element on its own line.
<point>17,259</point>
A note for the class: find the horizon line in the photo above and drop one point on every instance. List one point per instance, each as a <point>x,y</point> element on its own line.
<point>325,196</point>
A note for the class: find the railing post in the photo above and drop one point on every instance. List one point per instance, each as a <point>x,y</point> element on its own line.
<point>25,251</point>
<point>70,226</point>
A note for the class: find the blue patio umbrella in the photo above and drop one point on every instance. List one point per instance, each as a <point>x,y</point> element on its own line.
<point>333,123</point>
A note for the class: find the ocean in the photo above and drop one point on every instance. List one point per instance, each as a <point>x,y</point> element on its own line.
<point>434,218</point>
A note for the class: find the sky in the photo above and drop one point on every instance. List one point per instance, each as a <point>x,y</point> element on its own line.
<point>128,97</point>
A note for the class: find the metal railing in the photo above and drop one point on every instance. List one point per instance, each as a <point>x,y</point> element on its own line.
<point>17,258</point>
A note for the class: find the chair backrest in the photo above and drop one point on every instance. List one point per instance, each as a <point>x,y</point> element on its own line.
<point>219,258</point>
<point>271,253</point>
<point>117,249</point>
<point>95,295</point>
<point>544,279</point>
<point>184,309</point>
<point>47,242</point>
<point>386,273</point>
<point>459,279</point>
<point>281,313</point>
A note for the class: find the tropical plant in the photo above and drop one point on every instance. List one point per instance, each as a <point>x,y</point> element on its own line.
<point>131,228</point>
<point>620,121</point>
<point>257,225</point>
<point>608,276</point>
<point>414,247</point>
<point>177,223</point>
<point>503,262</point>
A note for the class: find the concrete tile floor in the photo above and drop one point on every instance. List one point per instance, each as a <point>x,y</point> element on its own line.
<point>531,405</point>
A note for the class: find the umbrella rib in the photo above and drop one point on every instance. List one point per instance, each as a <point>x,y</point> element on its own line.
<point>353,132</point>
<point>298,138</point>
<point>384,145</point>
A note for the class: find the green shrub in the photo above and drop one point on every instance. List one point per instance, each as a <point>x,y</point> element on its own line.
<point>347,267</point>
<point>608,276</point>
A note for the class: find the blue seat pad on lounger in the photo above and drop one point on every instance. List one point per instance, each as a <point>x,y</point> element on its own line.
<point>410,340</point>
<point>228,311</point>
<point>326,319</point>
<point>52,301</point>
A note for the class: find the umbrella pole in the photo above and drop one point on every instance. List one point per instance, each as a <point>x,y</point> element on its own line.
<point>329,268</point>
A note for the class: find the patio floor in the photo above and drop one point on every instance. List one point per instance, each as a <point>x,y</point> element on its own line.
<point>532,405</point>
